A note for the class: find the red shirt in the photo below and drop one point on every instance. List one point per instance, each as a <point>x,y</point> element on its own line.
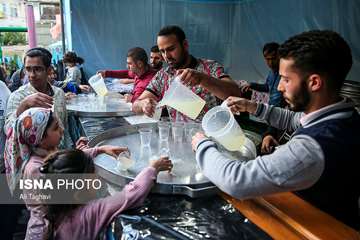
<point>141,82</point>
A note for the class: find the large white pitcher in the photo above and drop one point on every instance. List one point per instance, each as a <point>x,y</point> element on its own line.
<point>98,84</point>
<point>182,99</point>
<point>220,124</point>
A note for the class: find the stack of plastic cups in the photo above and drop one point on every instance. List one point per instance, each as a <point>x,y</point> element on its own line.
<point>164,130</point>
<point>178,135</point>
<point>190,129</point>
<point>145,136</point>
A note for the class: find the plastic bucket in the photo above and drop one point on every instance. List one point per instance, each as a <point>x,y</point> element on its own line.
<point>220,124</point>
<point>98,84</point>
<point>182,99</point>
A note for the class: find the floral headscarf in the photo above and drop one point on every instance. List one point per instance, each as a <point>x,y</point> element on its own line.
<point>21,140</point>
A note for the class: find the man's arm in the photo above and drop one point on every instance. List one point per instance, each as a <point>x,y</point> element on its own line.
<point>18,103</point>
<point>259,87</point>
<point>279,118</point>
<point>116,74</point>
<point>145,103</point>
<point>11,108</point>
<point>222,87</point>
<point>126,80</point>
<point>294,166</point>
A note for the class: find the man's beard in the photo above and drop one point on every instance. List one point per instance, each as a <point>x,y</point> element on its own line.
<point>300,100</point>
<point>181,63</point>
<point>157,66</point>
<point>135,71</point>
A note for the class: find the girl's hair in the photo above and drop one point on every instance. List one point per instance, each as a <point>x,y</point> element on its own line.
<point>71,57</point>
<point>62,162</point>
<point>67,161</point>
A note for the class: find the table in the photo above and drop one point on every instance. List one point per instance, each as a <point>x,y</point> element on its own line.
<point>89,105</point>
<point>200,218</point>
<point>278,216</point>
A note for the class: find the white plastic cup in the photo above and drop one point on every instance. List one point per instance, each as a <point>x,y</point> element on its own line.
<point>157,112</point>
<point>145,136</point>
<point>190,129</point>
<point>164,130</point>
<point>164,149</point>
<point>181,98</point>
<point>124,161</point>
<point>98,84</point>
<point>177,131</point>
<point>220,124</point>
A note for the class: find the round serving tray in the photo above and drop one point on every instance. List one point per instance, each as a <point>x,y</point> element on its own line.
<point>185,178</point>
<point>99,106</point>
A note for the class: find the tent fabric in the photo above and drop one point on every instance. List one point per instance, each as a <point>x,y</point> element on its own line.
<point>231,32</point>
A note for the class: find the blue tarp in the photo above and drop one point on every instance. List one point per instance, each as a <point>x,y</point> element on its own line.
<point>231,32</point>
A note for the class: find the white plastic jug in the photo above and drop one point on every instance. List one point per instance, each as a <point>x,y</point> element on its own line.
<point>220,124</point>
<point>182,99</point>
<point>98,84</point>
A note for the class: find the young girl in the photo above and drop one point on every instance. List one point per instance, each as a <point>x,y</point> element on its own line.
<point>35,134</point>
<point>73,75</point>
<point>87,221</point>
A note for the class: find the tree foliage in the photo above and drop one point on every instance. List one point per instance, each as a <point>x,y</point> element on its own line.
<point>13,38</point>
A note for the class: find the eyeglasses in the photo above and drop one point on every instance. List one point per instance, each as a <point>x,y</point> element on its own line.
<point>34,69</point>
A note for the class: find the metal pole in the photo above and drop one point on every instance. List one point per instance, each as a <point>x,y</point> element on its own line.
<point>30,21</point>
<point>62,26</point>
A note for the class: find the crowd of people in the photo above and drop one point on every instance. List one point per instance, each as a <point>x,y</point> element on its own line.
<point>306,74</point>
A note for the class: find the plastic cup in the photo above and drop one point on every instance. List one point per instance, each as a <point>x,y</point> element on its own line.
<point>157,113</point>
<point>190,129</point>
<point>164,149</point>
<point>92,97</point>
<point>220,124</point>
<point>98,84</point>
<point>181,98</point>
<point>146,153</point>
<point>124,161</point>
<point>145,136</point>
<point>177,131</point>
<point>164,130</point>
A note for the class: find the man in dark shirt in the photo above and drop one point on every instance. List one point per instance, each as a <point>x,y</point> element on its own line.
<point>272,81</point>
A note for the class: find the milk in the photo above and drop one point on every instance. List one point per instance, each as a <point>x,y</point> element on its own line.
<point>181,98</point>
<point>98,84</point>
<point>232,141</point>
<point>124,163</point>
<point>220,124</point>
<point>190,108</point>
<point>100,88</point>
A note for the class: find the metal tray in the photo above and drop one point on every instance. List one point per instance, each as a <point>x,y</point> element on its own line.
<point>186,178</point>
<point>99,107</point>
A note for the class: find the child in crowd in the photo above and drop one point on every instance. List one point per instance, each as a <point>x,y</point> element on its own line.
<point>36,133</point>
<point>89,220</point>
<point>72,81</point>
<point>71,61</point>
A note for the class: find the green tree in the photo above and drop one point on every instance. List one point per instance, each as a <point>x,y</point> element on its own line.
<point>13,38</point>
